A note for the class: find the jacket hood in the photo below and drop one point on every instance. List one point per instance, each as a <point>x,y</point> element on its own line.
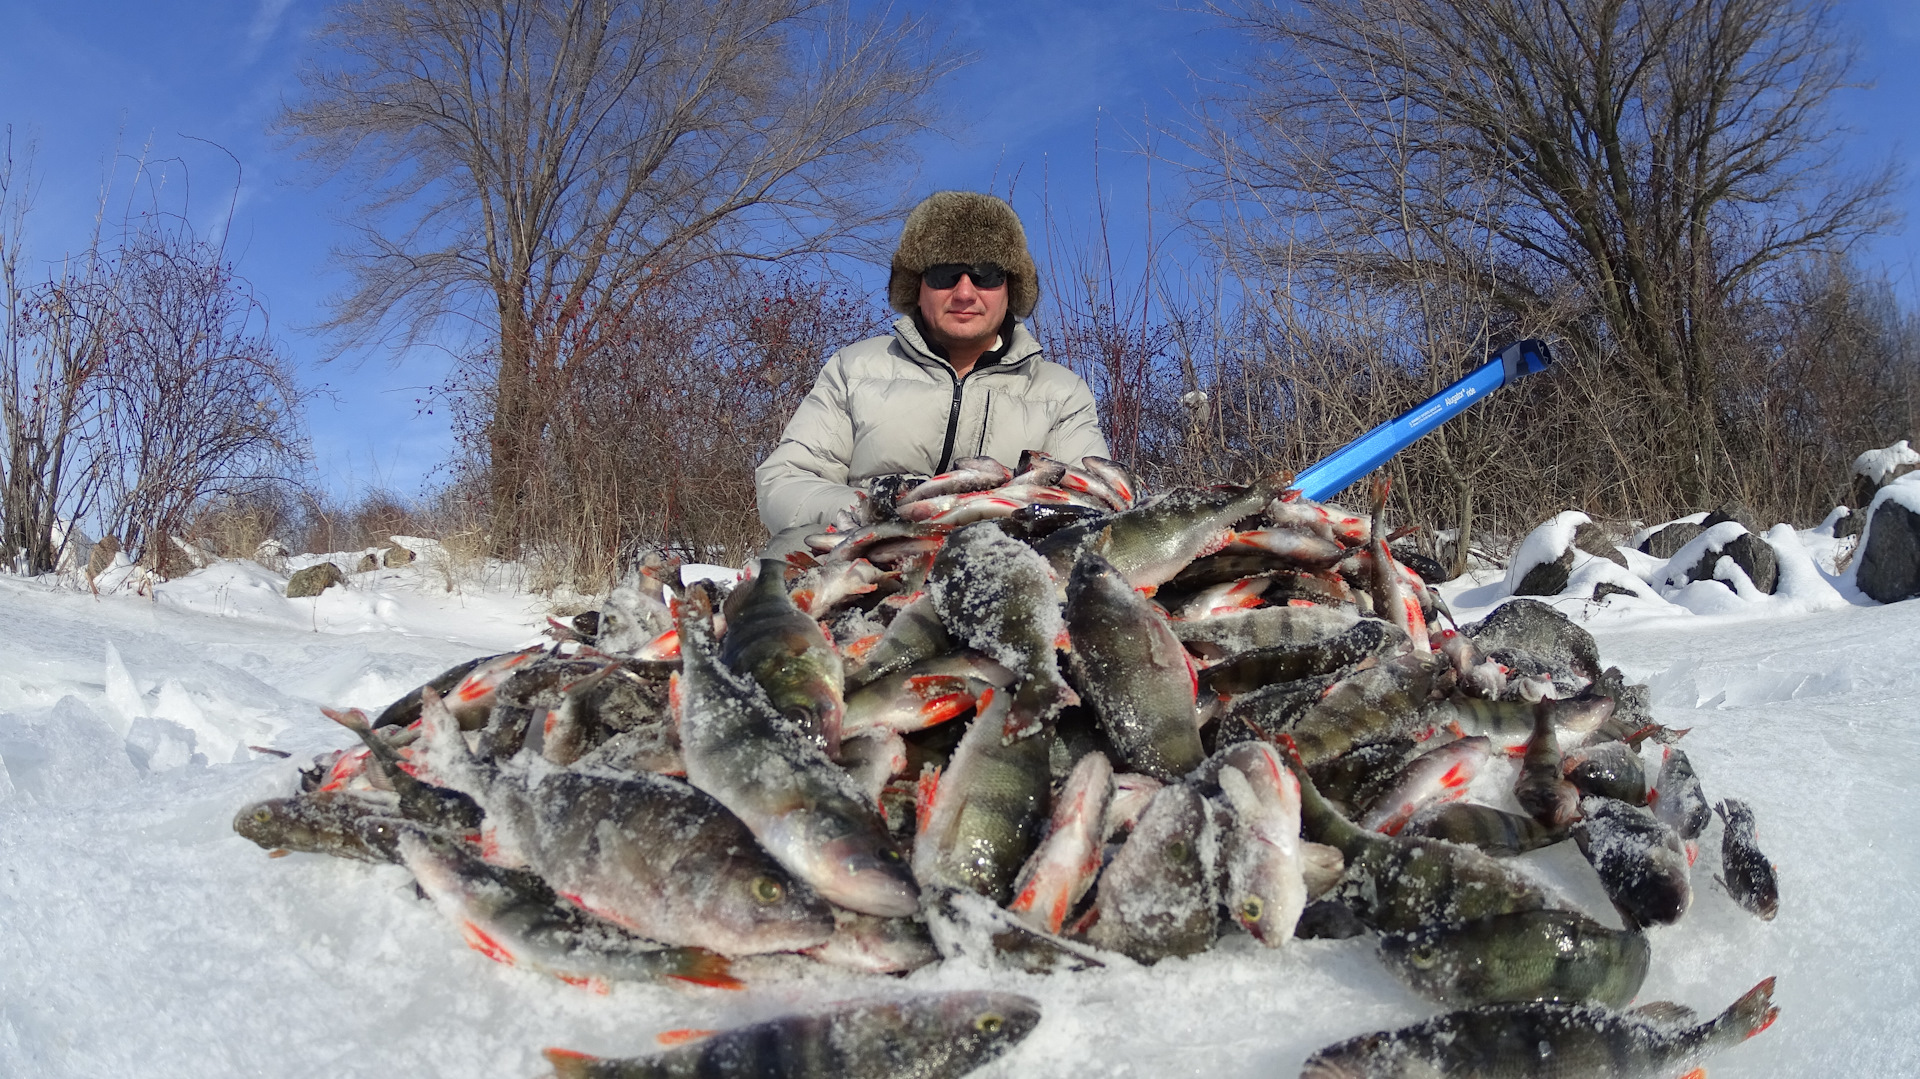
<point>963,226</point>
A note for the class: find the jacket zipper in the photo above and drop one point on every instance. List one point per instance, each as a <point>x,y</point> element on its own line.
<point>953,423</point>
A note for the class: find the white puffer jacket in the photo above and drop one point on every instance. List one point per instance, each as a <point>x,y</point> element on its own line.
<point>889,404</point>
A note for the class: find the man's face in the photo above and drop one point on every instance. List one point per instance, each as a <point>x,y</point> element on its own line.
<point>965,314</point>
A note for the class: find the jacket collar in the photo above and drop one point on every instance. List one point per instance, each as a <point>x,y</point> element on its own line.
<point>1020,349</point>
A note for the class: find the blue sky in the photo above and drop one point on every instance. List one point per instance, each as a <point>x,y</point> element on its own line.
<point>93,85</point>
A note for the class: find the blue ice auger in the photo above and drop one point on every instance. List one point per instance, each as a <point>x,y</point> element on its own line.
<point>1331,474</point>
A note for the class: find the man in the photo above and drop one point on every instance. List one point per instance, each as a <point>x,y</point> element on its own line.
<point>959,376</point>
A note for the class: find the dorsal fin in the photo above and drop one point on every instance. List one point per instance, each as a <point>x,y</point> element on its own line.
<point>1667,1013</point>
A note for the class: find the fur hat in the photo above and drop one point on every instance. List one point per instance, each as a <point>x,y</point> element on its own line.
<point>963,226</point>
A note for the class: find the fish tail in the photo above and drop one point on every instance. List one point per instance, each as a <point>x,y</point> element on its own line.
<point>1747,1016</point>
<point>587,681</point>
<point>702,967</point>
<point>568,1064</point>
<point>352,719</point>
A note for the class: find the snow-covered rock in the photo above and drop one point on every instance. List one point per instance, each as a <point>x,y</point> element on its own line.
<point>1879,466</point>
<point>314,580</point>
<point>1545,558</point>
<point>1888,568</point>
<point>1749,554</point>
<point>1873,470</point>
<point>1662,540</point>
<point>1681,566</point>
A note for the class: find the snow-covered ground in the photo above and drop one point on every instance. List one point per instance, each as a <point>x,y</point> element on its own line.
<point>140,936</point>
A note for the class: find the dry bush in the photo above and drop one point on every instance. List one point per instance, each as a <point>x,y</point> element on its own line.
<point>320,526</point>
<point>455,516</point>
<point>659,419</point>
<point>379,516</point>
<point>52,384</point>
<point>235,525</point>
<point>1102,319</point>
<point>326,523</point>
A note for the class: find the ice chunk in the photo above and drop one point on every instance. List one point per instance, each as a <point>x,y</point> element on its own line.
<point>64,753</point>
<point>124,703</point>
<point>160,745</point>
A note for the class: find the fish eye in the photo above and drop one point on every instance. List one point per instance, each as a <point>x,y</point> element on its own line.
<point>263,814</point>
<point>1177,851</point>
<point>989,1023</point>
<point>1251,909</point>
<point>1424,956</point>
<point>766,890</point>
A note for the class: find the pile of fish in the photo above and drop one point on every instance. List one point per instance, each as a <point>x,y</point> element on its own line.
<point>1036,720</point>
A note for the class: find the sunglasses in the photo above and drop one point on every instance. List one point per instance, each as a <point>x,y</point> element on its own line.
<point>947,275</point>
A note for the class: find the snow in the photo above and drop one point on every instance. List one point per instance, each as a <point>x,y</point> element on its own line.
<point>143,937</point>
<point>1876,465</point>
<point>703,571</point>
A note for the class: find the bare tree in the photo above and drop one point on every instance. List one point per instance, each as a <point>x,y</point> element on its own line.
<point>538,165</point>
<point>201,403</point>
<point>1628,172</point>
<point>51,387</point>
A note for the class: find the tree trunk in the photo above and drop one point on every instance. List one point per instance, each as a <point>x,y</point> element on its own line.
<point>1463,527</point>
<point>512,437</point>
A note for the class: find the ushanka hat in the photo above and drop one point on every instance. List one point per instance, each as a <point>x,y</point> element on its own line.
<point>969,227</point>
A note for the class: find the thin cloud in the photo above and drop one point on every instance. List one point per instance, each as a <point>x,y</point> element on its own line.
<point>265,22</point>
